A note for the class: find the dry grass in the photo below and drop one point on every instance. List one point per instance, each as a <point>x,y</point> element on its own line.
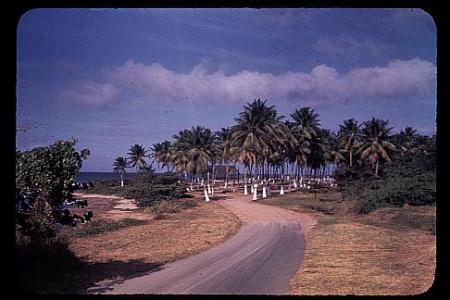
<point>176,230</point>
<point>177,236</point>
<point>354,258</point>
<point>388,252</point>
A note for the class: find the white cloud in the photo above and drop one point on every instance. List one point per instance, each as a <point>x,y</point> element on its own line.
<point>323,84</point>
<point>90,93</point>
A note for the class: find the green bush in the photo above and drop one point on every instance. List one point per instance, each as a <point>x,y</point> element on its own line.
<point>98,227</point>
<point>148,188</point>
<point>409,179</point>
<point>397,191</point>
<point>50,169</point>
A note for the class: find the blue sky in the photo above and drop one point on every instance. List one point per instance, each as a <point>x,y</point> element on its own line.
<point>116,77</point>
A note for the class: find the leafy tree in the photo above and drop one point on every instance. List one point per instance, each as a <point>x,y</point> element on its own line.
<point>44,179</point>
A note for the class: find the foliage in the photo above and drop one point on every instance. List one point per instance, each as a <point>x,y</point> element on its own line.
<point>137,154</point>
<point>44,179</point>
<point>193,150</point>
<point>375,146</point>
<point>148,188</point>
<point>50,169</point>
<point>410,179</point>
<point>98,227</point>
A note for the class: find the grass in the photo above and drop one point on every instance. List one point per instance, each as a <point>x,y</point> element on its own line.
<point>162,209</point>
<point>107,251</point>
<point>99,227</point>
<point>390,251</point>
<point>176,236</point>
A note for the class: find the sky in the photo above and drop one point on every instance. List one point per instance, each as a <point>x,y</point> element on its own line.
<point>112,78</point>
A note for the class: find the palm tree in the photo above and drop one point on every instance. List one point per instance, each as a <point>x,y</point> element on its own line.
<point>161,154</point>
<point>305,127</point>
<point>298,147</point>
<point>137,156</point>
<point>316,157</point>
<point>332,151</point>
<point>193,150</point>
<point>120,165</point>
<point>348,136</point>
<point>224,147</point>
<point>406,139</point>
<point>257,126</point>
<point>375,142</point>
<point>306,122</point>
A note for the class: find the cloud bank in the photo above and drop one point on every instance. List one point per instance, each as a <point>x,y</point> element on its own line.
<point>90,93</point>
<point>323,84</point>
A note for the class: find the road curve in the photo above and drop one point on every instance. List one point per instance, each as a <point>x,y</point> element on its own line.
<point>260,259</point>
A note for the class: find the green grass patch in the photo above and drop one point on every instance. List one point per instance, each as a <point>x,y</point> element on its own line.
<point>99,227</point>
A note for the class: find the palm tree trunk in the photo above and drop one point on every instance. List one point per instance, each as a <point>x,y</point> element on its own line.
<point>351,156</point>
<point>376,168</point>
<point>226,173</point>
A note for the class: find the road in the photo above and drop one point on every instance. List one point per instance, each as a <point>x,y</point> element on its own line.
<point>260,259</point>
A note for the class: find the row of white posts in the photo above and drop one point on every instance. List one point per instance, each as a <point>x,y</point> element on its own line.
<point>266,189</point>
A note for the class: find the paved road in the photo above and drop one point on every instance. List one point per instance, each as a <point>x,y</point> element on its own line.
<point>260,259</point>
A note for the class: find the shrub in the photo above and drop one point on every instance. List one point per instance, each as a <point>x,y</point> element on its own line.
<point>98,227</point>
<point>411,179</point>
<point>148,188</point>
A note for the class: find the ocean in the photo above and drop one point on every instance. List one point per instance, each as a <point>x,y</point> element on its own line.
<point>91,176</point>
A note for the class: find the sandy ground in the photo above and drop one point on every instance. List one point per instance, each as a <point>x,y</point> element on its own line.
<point>119,208</point>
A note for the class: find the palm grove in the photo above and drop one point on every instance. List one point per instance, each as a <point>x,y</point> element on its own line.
<point>269,146</point>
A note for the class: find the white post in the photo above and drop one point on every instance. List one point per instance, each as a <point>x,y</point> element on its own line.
<point>255,191</point>
<point>264,194</point>
<point>206,196</point>
<point>295,183</point>
<point>212,191</point>
<point>251,188</point>
<point>245,190</point>
<point>121,182</point>
<point>282,190</point>
<point>209,189</point>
